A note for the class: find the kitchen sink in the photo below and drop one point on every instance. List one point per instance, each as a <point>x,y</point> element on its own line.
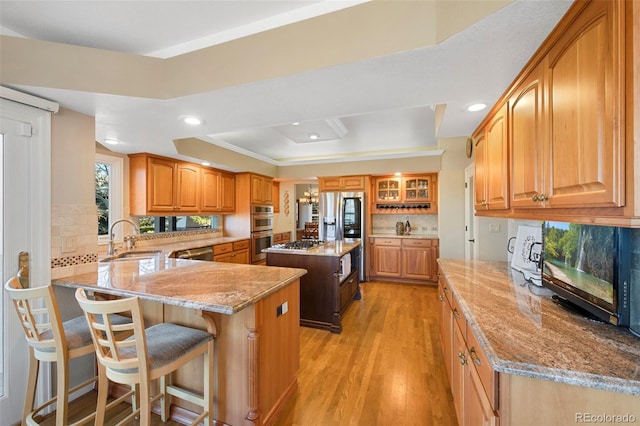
<point>132,255</point>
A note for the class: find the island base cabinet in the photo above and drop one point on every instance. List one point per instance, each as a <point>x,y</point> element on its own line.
<point>528,401</point>
<point>257,359</point>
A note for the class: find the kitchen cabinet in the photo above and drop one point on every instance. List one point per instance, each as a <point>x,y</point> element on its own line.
<point>471,377</point>
<point>261,189</point>
<point>341,183</point>
<point>236,252</point>
<point>492,163</point>
<point>404,259</point>
<point>281,237</point>
<point>218,191</point>
<point>275,197</point>
<point>388,190</point>
<point>411,194</point>
<point>163,186</point>
<point>529,142</point>
<point>579,161</point>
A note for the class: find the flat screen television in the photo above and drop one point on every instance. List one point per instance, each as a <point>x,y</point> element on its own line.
<point>587,267</point>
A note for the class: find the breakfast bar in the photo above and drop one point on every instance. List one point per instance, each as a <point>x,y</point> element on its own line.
<point>252,310</point>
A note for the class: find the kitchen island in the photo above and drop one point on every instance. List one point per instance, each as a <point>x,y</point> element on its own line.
<point>257,341</point>
<point>332,282</point>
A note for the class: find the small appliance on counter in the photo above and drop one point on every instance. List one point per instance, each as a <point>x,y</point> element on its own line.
<point>527,253</point>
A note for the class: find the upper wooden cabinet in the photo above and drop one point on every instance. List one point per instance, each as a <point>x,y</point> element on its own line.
<point>388,189</point>
<point>164,186</point>
<point>529,142</point>
<point>417,189</point>
<point>341,183</point>
<point>276,197</point>
<point>218,191</point>
<point>586,110</point>
<point>261,189</point>
<point>492,164</point>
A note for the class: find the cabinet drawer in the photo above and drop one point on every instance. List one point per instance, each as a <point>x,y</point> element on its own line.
<point>222,248</point>
<point>394,242</point>
<point>478,359</point>
<point>408,242</point>
<point>240,245</point>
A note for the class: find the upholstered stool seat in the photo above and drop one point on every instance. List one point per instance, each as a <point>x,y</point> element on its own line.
<point>147,355</point>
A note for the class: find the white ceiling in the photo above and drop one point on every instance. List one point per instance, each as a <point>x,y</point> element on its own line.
<point>386,104</point>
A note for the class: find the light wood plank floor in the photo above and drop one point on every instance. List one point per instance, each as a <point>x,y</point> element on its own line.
<point>385,368</point>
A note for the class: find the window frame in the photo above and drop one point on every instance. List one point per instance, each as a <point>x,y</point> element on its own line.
<point>116,193</point>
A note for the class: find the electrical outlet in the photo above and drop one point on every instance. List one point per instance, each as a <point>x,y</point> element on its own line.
<point>494,228</point>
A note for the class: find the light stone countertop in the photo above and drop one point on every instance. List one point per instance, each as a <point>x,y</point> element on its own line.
<point>168,248</point>
<point>528,335</point>
<point>330,248</point>
<point>226,288</point>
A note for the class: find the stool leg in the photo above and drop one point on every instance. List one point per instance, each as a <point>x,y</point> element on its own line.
<point>164,399</point>
<point>209,383</point>
<point>145,403</point>
<point>103,394</point>
<point>62,393</point>
<point>32,382</point>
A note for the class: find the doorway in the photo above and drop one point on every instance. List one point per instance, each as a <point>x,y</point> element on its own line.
<point>25,211</point>
<point>469,216</point>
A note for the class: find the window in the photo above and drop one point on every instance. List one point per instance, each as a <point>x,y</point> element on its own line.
<point>157,224</point>
<point>109,193</point>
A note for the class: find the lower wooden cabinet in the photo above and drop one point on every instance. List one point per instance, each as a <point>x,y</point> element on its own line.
<point>236,252</point>
<point>404,259</point>
<point>473,382</point>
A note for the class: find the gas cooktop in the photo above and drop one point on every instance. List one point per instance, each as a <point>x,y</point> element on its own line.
<point>299,245</point>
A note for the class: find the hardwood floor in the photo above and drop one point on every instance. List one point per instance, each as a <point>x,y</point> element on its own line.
<point>385,368</point>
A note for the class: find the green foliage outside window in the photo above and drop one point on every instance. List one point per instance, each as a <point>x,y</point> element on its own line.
<point>102,197</point>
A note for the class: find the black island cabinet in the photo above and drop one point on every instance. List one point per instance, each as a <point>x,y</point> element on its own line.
<point>330,285</point>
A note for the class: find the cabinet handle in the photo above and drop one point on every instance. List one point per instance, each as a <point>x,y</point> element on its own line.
<point>542,197</point>
<point>534,198</point>
<point>462,357</point>
<point>455,312</point>
<point>474,357</point>
<point>446,289</point>
<point>441,298</point>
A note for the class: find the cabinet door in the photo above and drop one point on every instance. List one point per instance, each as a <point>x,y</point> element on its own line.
<point>477,408</point>
<point>227,193</point>
<point>529,142</point>
<point>458,369</point>
<point>188,188</point>
<point>388,190</point>
<point>211,190</point>
<point>446,322</point>
<point>329,184</point>
<point>480,174</point>
<point>261,190</point>
<point>161,191</point>
<point>417,262</point>
<point>586,109</point>
<point>497,162</point>
<point>241,256</point>
<point>352,183</point>
<point>416,189</point>
<point>386,261</point>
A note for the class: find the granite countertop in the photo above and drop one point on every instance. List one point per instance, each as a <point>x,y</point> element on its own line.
<point>226,288</point>
<point>415,236</point>
<point>169,248</point>
<point>527,334</point>
<point>330,248</point>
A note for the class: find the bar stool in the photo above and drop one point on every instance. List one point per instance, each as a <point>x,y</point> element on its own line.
<point>147,355</point>
<point>50,340</point>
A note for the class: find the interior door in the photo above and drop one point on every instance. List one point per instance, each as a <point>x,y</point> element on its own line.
<point>25,134</point>
<point>469,216</point>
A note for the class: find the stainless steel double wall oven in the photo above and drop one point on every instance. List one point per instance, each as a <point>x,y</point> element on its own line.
<point>261,231</point>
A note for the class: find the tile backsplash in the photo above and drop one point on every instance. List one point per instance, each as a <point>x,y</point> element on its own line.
<point>420,224</point>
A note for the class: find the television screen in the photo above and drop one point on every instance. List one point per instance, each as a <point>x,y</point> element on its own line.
<point>581,259</point>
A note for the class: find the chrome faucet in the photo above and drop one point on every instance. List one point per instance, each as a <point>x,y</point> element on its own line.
<point>131,241</point>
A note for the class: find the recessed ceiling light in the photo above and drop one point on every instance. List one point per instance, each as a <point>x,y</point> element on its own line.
<point>398,173</point>
<point>313,136</point>
<point>193,121</point>
<point>295,123</point>
<point>476,107</point>
<point>205,163</point>
<point>111,141</point>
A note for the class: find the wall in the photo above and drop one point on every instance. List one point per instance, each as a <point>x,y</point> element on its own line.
<point>74,225</point>
<point>451,198</point>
